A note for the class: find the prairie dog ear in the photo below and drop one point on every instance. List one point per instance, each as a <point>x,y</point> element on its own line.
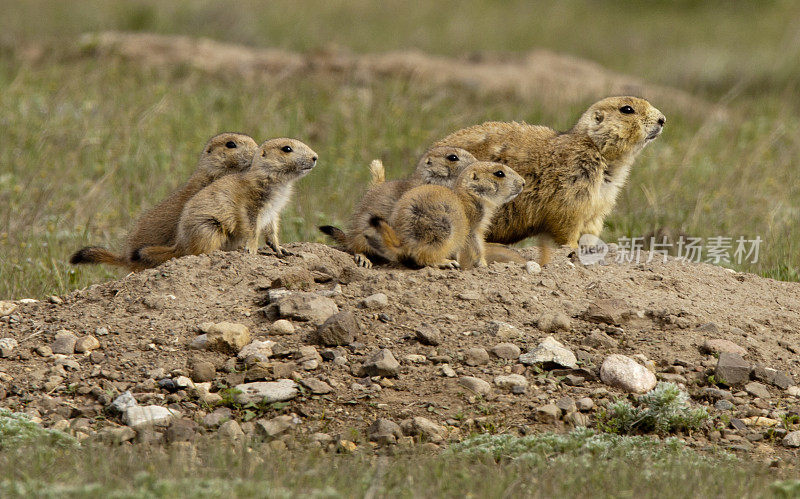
<point>474,175</point>
<point>599,116</point>
<point>263,153</point>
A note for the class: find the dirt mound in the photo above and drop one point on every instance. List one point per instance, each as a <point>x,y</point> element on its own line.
<point>539,73</point>
<point>456,348</point>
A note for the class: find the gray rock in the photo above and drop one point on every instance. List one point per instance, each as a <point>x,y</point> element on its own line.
<point>550,354</point>
<point>626,374</point>
<point>550,323</point>
<point>150,415</point>
<point>381,363</point>
<point>716,393</point>
<point>732,369</point>
<point>256,351</point>
<point>772,376</point>
<point>567,404</point>
<point>218,417</point>
<point>199,342</point>
<point>723,405</point>
<point>7,346</point>
<point>231,431</point>
<point>378,300</point>
<point>508,351</point>
<point>717,346</point>
<point>87,344</point>
<point>316,386</point>
<point>304,306</point>
<point>227,337</point>
<point>266,391</point>
<point>339,329</point>
<point>64,342</point>
<point>123,402</point>
<point>448,371</point>
<point>503,330</point>
<point>599,339</point>
<point>476,356</point>
<point>476,385</point>
<point>384,431</point>
<point>424,429</point>
<point>271,428</point>
<point>510,381</point>
<point>757,389</point>
<point>792,439</point>
<point>584,404</point>
<point>428,335</point>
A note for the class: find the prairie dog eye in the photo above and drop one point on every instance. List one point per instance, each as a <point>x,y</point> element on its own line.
<point>499,174</point>
<point>230,144</point>
<point>626,110</point>
<point>286,149</point>
<point>451,157</point>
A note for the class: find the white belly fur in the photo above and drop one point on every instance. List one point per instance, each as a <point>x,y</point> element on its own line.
<point>273,207</point>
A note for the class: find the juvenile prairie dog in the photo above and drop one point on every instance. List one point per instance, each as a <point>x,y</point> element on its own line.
<point>233,211</point>
<point>222,155</point>
<point>431,223</point>
<point>438,166</point>
<point>572,178</point>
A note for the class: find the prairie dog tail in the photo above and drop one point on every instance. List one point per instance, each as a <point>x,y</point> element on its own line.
<point>336,233</point>
<point>377,172</point>
<point>96,254</point>
<point>151,256</point>
<point>389,237</point>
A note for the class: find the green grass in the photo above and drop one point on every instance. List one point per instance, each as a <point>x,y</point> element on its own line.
<point>87,143</point>
<point>577,464</point>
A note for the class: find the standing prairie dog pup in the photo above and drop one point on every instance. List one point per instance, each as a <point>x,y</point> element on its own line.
<point>438,166</point>
<point>223,154</point>
<point>573,178</point>
<point>431,224</point>
<point>233,211</point>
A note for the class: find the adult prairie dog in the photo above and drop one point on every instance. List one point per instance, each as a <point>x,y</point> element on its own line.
<point>233,211</point>
<point>432,224</point>
<point>222,155</point>
<point>572,178</point>
<point>438,166</point>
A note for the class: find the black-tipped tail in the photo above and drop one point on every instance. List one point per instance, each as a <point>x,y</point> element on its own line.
<point>96,254</point>
<point>336,233</point>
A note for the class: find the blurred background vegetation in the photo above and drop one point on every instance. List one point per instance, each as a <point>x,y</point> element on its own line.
<point>87,142</point>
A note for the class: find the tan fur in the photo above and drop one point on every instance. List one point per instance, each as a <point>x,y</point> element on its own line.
<point>431,223</point>
<point>158,225</point>
<point>377,172</point>
<point>438,166</point>
<point>233,211</point>
<point>502,254</point>
<point>572,178</point>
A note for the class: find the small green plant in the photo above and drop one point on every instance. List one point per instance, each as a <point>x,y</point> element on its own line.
<point>789,420</point>
<point>663,410</point>
<point>229,398</point>
<point>18,430</point>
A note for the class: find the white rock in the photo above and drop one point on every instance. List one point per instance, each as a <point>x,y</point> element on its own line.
<point>626,374</point>
<point>792,439</point>
<point>378,300</point>
<point>7,346</point>
<point>281,327</point>
<point>549,352</point>
<point>257,350</point>
<point>150,415</point>
<point>184,382</point>
<point>533,267</point>
<point>510,381</point>
<point>123,402</point>
<point>266,391</point>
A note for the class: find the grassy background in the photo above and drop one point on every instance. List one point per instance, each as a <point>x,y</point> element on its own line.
<point>86,144</point>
